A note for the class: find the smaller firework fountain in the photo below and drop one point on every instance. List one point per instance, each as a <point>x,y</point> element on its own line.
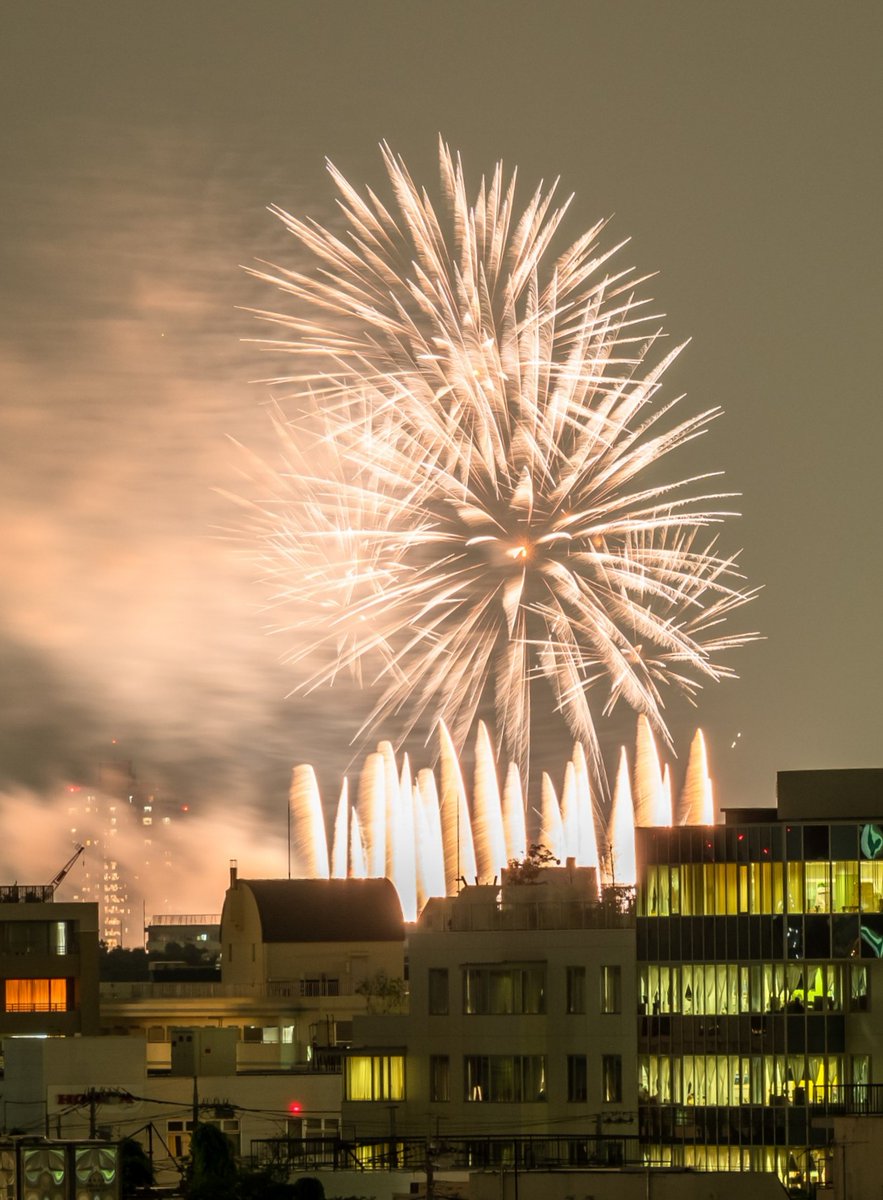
<point>424,834</point>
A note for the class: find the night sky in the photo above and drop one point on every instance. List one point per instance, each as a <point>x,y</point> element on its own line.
<point>738,146</point>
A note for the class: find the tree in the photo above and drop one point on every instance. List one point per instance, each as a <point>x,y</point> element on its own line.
<point>264,1184</point>
<point>527,869</point>
<point>308,1188</point>
<point>213,1173</point>
<point>135,1169</point>
<point>385,993</point>
<point>119,965</point>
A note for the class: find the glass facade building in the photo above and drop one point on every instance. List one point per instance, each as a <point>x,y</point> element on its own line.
<point>758,947</point>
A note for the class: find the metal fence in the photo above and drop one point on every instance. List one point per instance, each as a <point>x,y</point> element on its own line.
<point>535,1152</point>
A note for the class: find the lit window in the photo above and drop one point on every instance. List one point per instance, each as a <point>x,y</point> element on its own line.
<point>375,1077</point>
<point>38,995</point>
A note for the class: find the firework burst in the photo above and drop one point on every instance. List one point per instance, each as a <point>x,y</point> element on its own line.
<point>470,500</point>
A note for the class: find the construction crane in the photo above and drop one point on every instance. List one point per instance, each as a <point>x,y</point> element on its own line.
<point>67,866</point>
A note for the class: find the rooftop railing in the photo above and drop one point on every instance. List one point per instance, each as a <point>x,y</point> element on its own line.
<point>27,893</point>
<point>615,912</point>
<point>186,919</point>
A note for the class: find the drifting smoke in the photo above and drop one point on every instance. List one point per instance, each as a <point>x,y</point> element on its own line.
<point>427,838</point>
<point>175,865</point>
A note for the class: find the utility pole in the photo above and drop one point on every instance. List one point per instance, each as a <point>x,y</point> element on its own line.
<point>393,1150</point>
<point>430,1171</point>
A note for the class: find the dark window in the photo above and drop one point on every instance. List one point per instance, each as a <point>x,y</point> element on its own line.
<point>577,1079</point>
<point>501,991</point>
<point>794,842</point>
<point>438,991</point>
<point>611,1078</point>
<point>816,846</point>
<point>504,1078</point>
<point>576,989</point>
<point>439,1077</point>
<point>24,937</point>
<point>817,937</point>
<point>844,842</point>
<point>611,989</point>
<point>845,936</point>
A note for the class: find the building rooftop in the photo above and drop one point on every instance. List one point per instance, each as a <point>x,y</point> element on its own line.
<point>328,910</point>
<point>842,795</point>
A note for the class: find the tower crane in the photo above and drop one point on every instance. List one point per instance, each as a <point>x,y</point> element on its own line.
<point>67,866</point>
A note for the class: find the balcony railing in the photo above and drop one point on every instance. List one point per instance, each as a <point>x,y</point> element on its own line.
<point>39,1007</point>
<point>185,919</point>
<point>853,1099</point>
<point>529,915</point>
<point>296,992</point>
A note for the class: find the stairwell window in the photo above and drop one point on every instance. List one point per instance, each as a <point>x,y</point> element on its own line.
<point>577,1079</point>
<point>611,989</point>
<point>439,1077</point>
<point>611,1078</point>
<point>576,989</point>
<point>438,991</point>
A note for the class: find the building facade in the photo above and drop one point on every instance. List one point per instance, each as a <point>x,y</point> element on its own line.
<point>520,1021</point>
<point>759,977</point>
<point>300,958</point>
<point>48,963</point>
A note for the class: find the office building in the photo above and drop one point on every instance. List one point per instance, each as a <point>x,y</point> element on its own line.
<point>760,980</point>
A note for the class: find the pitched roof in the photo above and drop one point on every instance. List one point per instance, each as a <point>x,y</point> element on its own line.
<point>328,910</point>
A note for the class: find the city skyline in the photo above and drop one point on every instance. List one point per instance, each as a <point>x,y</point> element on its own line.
<point>730,146</point>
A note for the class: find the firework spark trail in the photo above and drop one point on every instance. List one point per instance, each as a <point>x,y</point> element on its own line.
<point>466,504</point>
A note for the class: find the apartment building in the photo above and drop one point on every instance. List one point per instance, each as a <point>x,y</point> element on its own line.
<point>48,963</point>
<point>520,1020</point>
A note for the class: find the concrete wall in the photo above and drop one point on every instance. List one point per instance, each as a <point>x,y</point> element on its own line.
<point>560,1185</point>
<point>856,1171</point>
<point>842,795</point>
<point>41,1072</point>
<point>625,1185</point>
